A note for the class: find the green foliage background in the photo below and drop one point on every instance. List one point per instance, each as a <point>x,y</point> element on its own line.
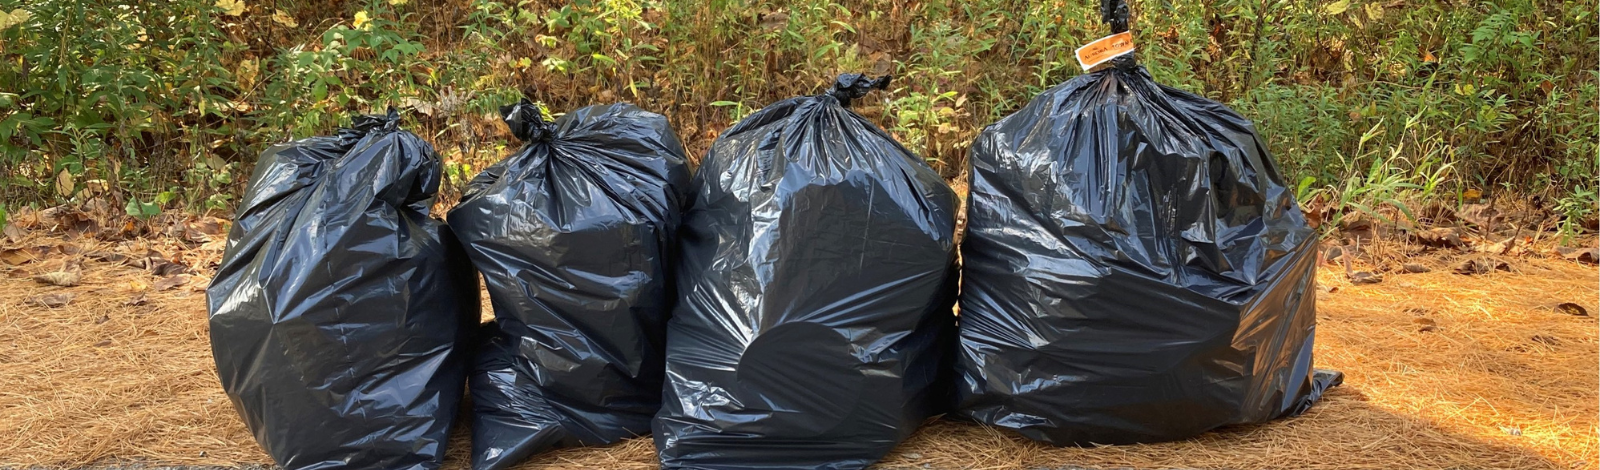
<point>163,105</point>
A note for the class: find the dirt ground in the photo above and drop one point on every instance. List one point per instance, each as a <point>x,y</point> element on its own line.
<point>1443,371</point>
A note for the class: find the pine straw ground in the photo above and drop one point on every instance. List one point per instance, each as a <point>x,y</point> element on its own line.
<point>1443,371</point>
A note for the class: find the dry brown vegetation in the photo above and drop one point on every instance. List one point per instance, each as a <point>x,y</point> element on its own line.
<point>1444,106</point>
<point>1444,370</point>
<point>155,106</point>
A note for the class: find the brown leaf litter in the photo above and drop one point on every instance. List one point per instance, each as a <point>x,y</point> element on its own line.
<point>1437,370</point>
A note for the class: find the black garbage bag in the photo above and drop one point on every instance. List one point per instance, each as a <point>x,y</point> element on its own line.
<point>814,328</point>
<point>1134,269</point>
<point>575,235</point>
<point>338,308</point>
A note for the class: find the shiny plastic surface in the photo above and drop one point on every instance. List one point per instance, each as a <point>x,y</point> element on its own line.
<point>575,234</point>
<point>339,304</point>
<point>814,328</point>
<point>1134,269</point>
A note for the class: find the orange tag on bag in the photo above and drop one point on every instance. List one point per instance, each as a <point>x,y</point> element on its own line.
<point>1104,49</point>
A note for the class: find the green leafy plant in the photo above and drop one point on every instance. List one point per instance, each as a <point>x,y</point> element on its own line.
<point>142,210</point>
<point>1579,206</point>
<point>736,110</point>
<point>921,119</point>
<point>154,100</point>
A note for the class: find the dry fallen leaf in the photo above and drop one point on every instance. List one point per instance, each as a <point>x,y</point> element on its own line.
<point>1546,339</point>
<point>1481,266</point>
<point>23,217</point>
<point>1374,11</point>
<point>774,21</point>
<point>217,244</point>
<point>160,266</point>
<point>172,282</point>
<point>16,17</point>
<point>231,7</point>
<point>284,19</point>
<point>106,256</point>
<point>60,278</point>
<point>1497,248</point>
<point>194,236</point>
<point>141,299</point>
<point>1483,216</point>
<point>53,300</point>
<point>1439,237</point>
<point>1581,255</point>
<point>1573,309</point>
<point>1333,254</point>
<point>1355,222</point>
<point>1364,277</point>
<point>64,184</point>
<point>208,226</point>
<point>15,256</point>
<point>168,268</point>
<point>15,233</point>
<point>1336,7</point>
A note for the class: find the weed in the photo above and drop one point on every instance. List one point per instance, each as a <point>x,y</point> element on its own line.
<point>1576,208</point>
<point>1372,104</point>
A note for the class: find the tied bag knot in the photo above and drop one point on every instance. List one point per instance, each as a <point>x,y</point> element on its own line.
<point>850,86</point>
<point>363,124</point>
<point>1114,13</point>
<point>527,122</point>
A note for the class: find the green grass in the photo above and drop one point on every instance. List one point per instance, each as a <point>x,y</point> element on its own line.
<point>1372,104</point>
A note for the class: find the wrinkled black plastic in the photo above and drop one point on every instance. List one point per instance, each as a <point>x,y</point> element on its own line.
<point>1134,269</point>
<point>339,305</point>
<point>575,235</point>
<point>814,328</point>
